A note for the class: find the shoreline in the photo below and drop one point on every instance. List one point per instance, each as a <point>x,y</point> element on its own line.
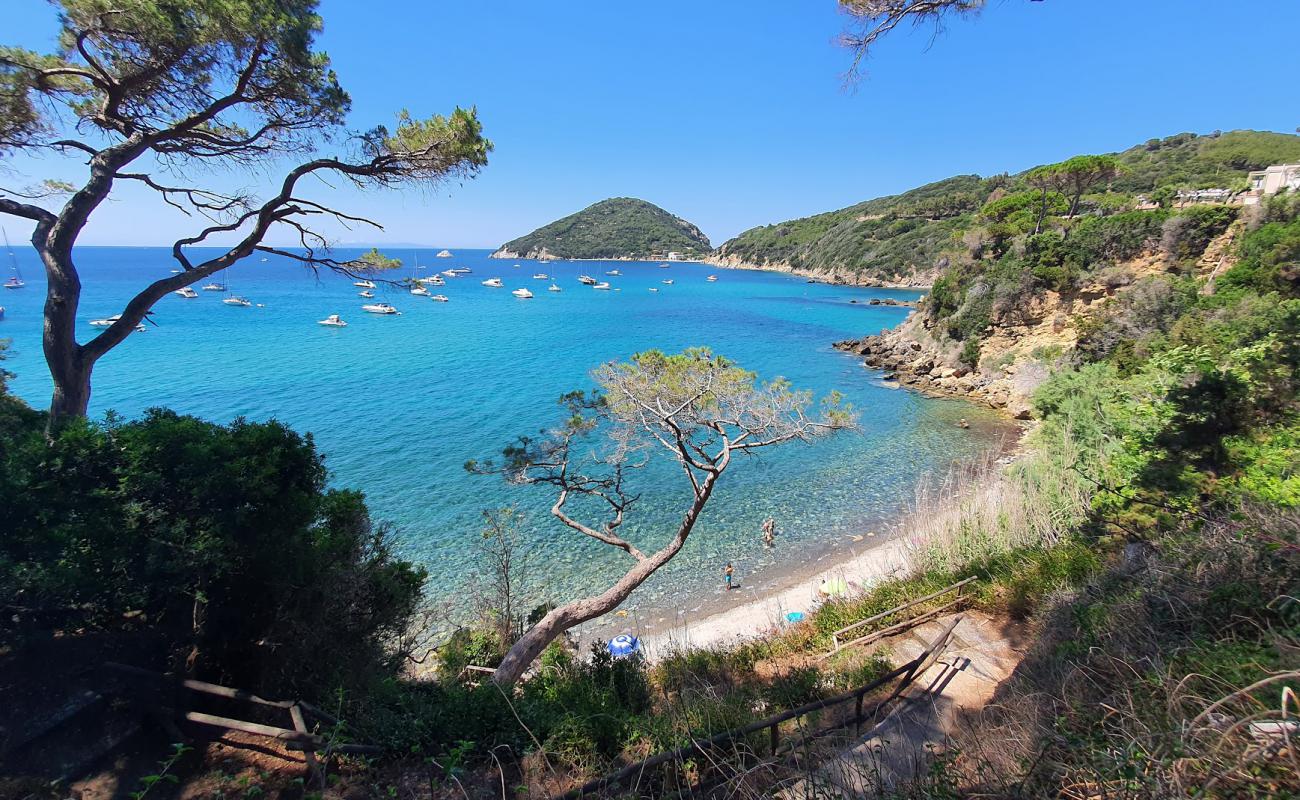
<point>829,277</point>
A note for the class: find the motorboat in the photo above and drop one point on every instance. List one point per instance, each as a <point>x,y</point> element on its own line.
<point>366,294</point>
<point>541,276</point>
<point>379,308</point>
<point>108,322</point>
<point>364,284</point>
<point>587,279</point>
<point>236,300</point>
<point>554,288</point>
<point>333,321</point>
<point>665,265</point>
<point>214,287</point>
<point>462,270</point>
<point>450,273</point>
<point>667,281</point>
<point>522,293</point>
<point>444,254</point>
<point>186,292</point>
<point>601,285</point>
<point>495,283</point>
<point>711,278</point>
<point>419,291</point>
<point>433,281</point>
<point>654,289</point>
<point>613,272</point>
<point>441,298</point>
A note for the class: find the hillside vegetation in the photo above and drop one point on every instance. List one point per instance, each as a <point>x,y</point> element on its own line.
<point>620,227</point>
<point>903,239</point>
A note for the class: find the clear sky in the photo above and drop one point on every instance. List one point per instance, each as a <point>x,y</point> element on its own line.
<point>733,113</point>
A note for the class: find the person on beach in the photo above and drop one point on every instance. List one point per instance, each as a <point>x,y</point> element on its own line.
<point>769,533</point>
<point>728,572</point>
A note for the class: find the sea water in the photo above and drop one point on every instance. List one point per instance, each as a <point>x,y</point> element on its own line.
<point>399,403</point>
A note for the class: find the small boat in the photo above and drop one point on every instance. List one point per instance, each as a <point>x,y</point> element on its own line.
<point>653,289</point>
<point>364,284</point>
<point>613,272</point>
<point>711,278</point>
<point>186,292</point>
<point>462,270</point>
<point>108,322</point>
<point>419,291</point>
<point>495,283</point>
<point>441,298</point>
<point>602,285</point>
<point>522,293</point>
<point>541,276</point>
<point>379,308</point>
<point>366,294</point>
<point>236,300</point>
<point>554,288</point>
<point>263,258</point>
<point>664,266</point>
<point>433,281</point>
<point>667,281</point>
<point>444,254</point>
<point>333,321</point>
<point>14,281</point>
<point>2,312</point>
<point>587,279</point>
<point>215,287</point>
<point>176,272</point>
<point>450,273</point>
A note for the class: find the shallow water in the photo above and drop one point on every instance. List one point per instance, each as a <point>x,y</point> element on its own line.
<point>399,404</point>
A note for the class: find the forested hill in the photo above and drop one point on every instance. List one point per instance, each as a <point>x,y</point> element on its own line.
<point>902,239</point>
<point>620,227</point>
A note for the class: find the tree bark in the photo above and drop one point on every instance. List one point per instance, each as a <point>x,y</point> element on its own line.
<point>525,651</point>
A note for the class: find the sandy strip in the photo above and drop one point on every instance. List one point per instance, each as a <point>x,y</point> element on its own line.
<point>760,617</point>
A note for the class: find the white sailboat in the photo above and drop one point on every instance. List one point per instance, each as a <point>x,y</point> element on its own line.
<point>554,288</point>
<point>15,279</point>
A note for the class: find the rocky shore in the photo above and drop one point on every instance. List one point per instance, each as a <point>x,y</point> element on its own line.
<point>912,362</point>
<point>831,276</point>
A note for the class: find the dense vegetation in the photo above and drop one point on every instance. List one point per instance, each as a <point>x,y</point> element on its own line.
<point>905,238</point>
<point>620,227</point>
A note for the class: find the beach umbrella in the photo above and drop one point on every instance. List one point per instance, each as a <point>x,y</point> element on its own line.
<point>623,645</point>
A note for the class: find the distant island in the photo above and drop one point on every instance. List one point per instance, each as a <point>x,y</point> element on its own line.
<point>617,228</point>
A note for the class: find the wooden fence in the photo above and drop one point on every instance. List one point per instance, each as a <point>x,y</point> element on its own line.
<point>903,676</point>
<point>838,636</point>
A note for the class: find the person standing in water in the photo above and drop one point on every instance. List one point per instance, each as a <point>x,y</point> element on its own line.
<point>729,573</point>
<point>769,533</point>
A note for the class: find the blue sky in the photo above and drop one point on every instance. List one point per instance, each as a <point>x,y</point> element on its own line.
<point>733,114</point>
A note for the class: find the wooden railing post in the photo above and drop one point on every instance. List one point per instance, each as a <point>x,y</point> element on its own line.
<point>776,737</point>
<point>857,715</point>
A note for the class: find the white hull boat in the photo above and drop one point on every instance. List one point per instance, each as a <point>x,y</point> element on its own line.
<point>587,279</point>
<point>541,276</point>
<point>554,288</point>
<point>600,286</point>
<point>186,292</point>
<point>440,298</point>
<point>379,308</point>
<point>332,321</point>
<point>364,284</point>
<point>419,291</point>
<point>667,281</point>
<point>367,294</point>
<point>495,283</point>
<point>108,322</point>
<point>237,301</point>
<point>523,294</point>
<point>215,287</point>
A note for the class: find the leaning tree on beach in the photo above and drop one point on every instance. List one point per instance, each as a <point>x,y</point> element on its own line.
<point>156,93</point>
<point>696,408</point>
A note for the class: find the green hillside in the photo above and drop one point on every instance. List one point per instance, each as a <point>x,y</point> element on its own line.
<point>620,227</point>
<point>903,238</point>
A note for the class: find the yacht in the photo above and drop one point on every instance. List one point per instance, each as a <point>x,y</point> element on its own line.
<point>711,278</point>
<point>108,321</point>
<point>333,321</point>
<point>667,281</point>
<point>450,273</point>
<point>602,285</point>
<point>441,298</point>
<point>436,280</point>
<point>587,279</point>
<point>541,276</point>
<point>379,308</point>
<point>419,291</point>
<point>554,288</point>
<point>613,272</point>
<point>236,300</point>
<point>444,254</point>
<point>495,283</point>
<point>14,281</point>
<point>366,294</point>
<point>522,293</point>
<point>364,284</point>
<point>186,292</point>
<point>462,270</point>
<point>215,287</point>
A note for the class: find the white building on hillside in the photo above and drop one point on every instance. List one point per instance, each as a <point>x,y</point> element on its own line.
<point>1269,181</point>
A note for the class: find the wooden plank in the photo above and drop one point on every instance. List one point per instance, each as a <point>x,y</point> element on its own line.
<point>892,629</point>
<point>309,756</point>
<point>252,727</point>
<point>954,587</point>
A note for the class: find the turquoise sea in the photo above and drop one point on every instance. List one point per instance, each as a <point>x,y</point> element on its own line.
<point>398,404</point>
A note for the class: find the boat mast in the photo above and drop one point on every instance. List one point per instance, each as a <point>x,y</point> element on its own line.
<point>13,260</point>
